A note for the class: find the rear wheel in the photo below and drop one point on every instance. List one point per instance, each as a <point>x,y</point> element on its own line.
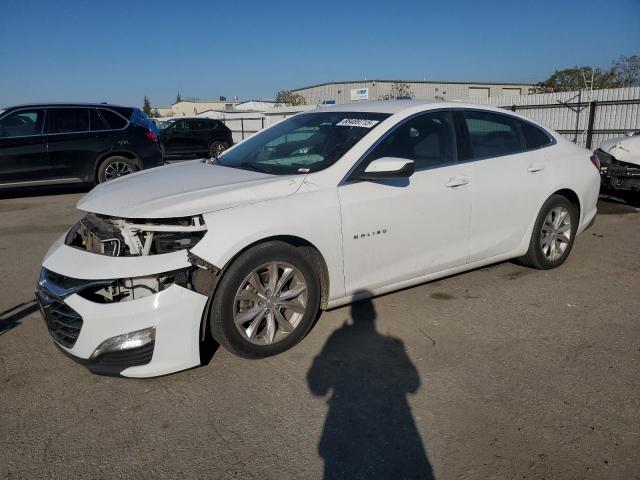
<point>553,234</point>
<point>216,148</point>
<point>114,167</point>
<point>266,301</point>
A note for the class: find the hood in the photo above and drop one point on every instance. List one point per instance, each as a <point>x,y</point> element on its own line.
<point>625,149</point>
<point>185,189</point>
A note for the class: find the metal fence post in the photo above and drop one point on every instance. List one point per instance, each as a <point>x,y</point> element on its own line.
<point>242,127</point>
<point>592,116</point>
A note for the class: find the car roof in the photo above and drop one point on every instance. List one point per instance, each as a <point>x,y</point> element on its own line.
<point>382,106</point>
<point>65,104</point>
<point>397,106</point>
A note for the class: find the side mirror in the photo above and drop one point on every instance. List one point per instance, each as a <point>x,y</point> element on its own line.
<point>388,168</point>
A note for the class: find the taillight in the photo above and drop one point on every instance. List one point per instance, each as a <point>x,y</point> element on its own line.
<point>595,160</point>
<point>151,136</point>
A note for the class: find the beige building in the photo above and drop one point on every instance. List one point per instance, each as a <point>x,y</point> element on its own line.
<point>343,92</point>
<point>189,108</point>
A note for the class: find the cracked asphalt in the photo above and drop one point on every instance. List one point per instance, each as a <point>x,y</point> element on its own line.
<point>499,373</point>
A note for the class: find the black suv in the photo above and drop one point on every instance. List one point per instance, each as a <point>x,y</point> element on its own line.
<point>74,143</point>
<point>193,137</point>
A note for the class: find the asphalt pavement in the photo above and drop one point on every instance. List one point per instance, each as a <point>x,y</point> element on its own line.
<point>499,373</point>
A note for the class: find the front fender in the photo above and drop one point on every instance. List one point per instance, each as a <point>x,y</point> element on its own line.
<point>311,216</point>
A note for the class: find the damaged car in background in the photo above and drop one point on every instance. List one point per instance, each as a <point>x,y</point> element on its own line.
<point>317,211</point>
<point>620,166</point>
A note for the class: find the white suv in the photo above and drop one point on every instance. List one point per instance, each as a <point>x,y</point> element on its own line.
<point>317,211</point>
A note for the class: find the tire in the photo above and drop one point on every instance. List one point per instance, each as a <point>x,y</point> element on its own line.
<point>114,167</point>
<point>540,254</point>
<point>237,301</point>
<point>216,148</point>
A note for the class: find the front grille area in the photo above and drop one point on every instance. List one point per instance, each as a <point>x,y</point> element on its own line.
<point>63,322</point>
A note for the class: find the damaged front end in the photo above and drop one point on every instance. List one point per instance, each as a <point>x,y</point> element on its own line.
<point>617,175</point>
<point>119,237</point>
<point>620,165</point>
<point>127,297</point>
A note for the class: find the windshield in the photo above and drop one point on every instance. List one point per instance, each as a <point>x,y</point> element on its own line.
<point>162,124</point>
<point>303,143</point>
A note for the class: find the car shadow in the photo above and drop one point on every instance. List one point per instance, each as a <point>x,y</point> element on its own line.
<point>21,192</point>
<point>11,318</point>
<point>369,431</point>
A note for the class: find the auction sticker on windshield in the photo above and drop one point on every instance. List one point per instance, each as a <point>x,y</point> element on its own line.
<point>357,122</point>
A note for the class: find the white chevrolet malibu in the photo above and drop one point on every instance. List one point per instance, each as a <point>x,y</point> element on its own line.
<point>319,210</point>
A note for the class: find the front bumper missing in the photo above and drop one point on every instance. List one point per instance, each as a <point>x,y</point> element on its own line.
<point>616,175</point>
<point>175,312</point>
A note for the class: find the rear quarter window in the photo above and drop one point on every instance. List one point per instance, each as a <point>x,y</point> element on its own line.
<point>115,121</point>
<point>534,137</point>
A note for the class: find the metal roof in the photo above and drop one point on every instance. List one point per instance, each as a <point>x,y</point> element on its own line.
<point>410,81</point>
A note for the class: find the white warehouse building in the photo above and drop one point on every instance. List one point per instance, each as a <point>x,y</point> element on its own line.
<point>350,91</point>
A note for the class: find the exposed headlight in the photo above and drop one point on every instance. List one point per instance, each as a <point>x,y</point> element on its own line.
<point>127,341</point>
<point>123,237</point>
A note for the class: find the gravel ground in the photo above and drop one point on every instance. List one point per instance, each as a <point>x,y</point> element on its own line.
<point>499,373</point>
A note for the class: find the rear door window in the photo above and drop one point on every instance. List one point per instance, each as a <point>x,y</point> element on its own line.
<point>23,123</point>
<point>115,121</point>
<point>492,134</point>
<point>198,125</point>
<point>68,120</point>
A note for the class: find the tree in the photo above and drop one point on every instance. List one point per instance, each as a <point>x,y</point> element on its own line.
<point>178,98</point>
<point>627,70</point>
<point>222,98</point>
<point>578,78</point>
<point>155,113</point>
<point>399,90</point>
<point>146,106</point>
<point>289,99</point>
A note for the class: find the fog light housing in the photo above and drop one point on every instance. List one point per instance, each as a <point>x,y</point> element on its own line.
<point>127,341</point>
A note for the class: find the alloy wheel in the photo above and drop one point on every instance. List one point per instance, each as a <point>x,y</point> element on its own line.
<point>117,169</point>
<point>556,233</point>
<point>216,149</point>
<point>270,303</point>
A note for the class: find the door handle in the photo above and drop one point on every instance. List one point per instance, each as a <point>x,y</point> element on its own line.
<point>457,182</point>
<point>535,167</point>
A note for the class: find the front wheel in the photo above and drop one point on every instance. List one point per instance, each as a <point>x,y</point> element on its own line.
<point>266,301</point>
<point>553,234</point>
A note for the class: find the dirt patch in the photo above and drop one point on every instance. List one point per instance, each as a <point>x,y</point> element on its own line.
<point>13,207</point>
<point>442,296</point>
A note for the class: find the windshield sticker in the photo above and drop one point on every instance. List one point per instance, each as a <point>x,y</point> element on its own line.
<point>357,122</point>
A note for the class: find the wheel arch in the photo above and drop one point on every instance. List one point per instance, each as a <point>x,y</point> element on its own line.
<point>298,242</point>
<point>564,191</point>
<point>572,196</point>
<point>293,240</point>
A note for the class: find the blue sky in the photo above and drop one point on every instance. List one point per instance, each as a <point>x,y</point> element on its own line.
<point>119,51</point>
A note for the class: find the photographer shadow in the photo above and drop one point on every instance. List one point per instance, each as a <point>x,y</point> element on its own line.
<point>369,432</point>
